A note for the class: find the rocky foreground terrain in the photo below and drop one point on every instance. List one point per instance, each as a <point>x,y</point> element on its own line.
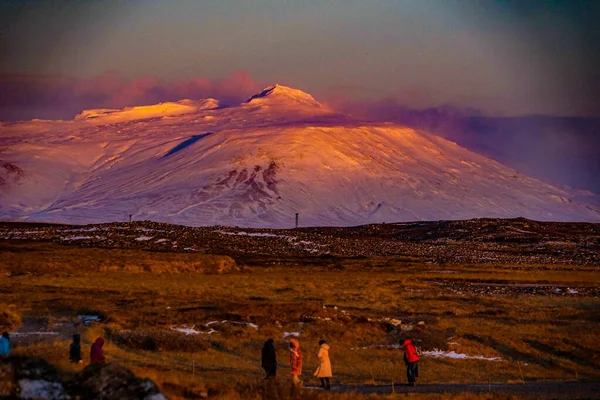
<point>35,378</point>
<point>483,241</point>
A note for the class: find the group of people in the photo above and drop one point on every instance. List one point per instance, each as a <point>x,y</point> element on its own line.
<point>96,352</point>
<point>323,371</point>
<point>268,358</point>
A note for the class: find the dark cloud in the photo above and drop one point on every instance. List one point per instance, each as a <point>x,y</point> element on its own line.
<point>24,97</point>
<point>559,150</point>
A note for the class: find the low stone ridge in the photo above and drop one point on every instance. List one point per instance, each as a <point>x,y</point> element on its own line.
<point>487,241</point>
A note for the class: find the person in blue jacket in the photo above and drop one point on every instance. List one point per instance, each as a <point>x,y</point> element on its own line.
<point>5,344</point>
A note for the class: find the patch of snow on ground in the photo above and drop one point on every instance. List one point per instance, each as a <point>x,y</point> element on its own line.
<point>256,234</point>
<point>144,238</point>
<point>77,238</point>
<point>161,240</point>
<point>40,389</point>
<point>191,330</point>
<point>455,355</point>
<point>93,229</point>
<point>291,334</point>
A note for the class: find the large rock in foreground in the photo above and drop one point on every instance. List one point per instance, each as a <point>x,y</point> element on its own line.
<point>35,378</point>
<point>30,378</point>
<point>113,381</point>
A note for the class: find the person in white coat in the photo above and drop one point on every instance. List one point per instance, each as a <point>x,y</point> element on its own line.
<point>323,372</point>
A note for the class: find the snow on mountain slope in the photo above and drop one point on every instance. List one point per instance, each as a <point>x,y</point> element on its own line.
<point>105,116</point>
<point>255,165</point>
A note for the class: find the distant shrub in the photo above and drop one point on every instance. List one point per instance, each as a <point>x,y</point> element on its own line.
<point>160,341</point>
<point>9,320</point>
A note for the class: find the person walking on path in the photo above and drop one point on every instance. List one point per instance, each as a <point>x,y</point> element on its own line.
<point>296,361</point>
<point>411,359</point>
<point>5,344</point>
<point>269,359</point>
<point>323,371</point>
<point>96,354</point>
<point>75,349</point>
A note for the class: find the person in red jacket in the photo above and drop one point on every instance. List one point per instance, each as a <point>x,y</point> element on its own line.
<point>411,359</point>
<point>97,355</point>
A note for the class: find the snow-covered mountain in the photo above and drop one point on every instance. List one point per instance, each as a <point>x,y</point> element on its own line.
<point>255,165</point>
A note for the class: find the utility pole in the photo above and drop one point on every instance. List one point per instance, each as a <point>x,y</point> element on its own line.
<point>296,220</point>
<point>129,219</point>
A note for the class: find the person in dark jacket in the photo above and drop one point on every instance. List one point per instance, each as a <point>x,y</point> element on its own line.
<point>411,359</point>
<point>75,349</point>
<point>269,359</point>
<point>96,354</point>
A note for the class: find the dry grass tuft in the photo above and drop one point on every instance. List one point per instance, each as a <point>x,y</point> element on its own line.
<point>158,340</point>
<point>9,319</point>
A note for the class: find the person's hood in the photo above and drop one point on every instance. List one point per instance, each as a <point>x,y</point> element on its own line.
<point>99,342</point>
<point>406,342</point>
<point>325,346</point>
<point>295,343</point>
<point>76,339</point>
<point>270,343</point>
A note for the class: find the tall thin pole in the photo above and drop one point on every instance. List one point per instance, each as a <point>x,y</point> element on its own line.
<point>296,220</point>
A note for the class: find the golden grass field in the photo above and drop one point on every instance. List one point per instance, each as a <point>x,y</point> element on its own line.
<point>348,302</point>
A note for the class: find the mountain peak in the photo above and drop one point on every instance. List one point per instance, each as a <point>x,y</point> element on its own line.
<point>283,95</point>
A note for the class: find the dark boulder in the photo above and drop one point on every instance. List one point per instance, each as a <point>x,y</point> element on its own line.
<point>30,378</point>
<point>35,378</point>
<point>112,381</point>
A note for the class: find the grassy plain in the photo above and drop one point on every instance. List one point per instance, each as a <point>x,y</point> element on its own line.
<point>544,334</point>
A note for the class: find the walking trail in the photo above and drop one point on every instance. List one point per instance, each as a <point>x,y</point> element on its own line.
<point>553,389</point>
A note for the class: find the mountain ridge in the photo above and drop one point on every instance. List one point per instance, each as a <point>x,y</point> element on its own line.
<point>257,165</point>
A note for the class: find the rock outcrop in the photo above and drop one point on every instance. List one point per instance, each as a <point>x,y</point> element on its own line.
<point>35,378</point>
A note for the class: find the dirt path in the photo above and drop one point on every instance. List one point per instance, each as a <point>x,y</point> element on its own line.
<point>568,389</point>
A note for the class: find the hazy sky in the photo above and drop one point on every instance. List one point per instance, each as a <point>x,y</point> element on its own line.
<point>503,57</point>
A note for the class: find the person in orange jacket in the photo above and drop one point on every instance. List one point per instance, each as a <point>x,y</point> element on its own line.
<point>411,359</point>
<point>296,361</point>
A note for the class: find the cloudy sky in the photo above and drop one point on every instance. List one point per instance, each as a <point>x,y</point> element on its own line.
<point>501,57</point>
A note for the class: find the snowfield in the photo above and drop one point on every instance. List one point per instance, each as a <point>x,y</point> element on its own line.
<point>255,165</point>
